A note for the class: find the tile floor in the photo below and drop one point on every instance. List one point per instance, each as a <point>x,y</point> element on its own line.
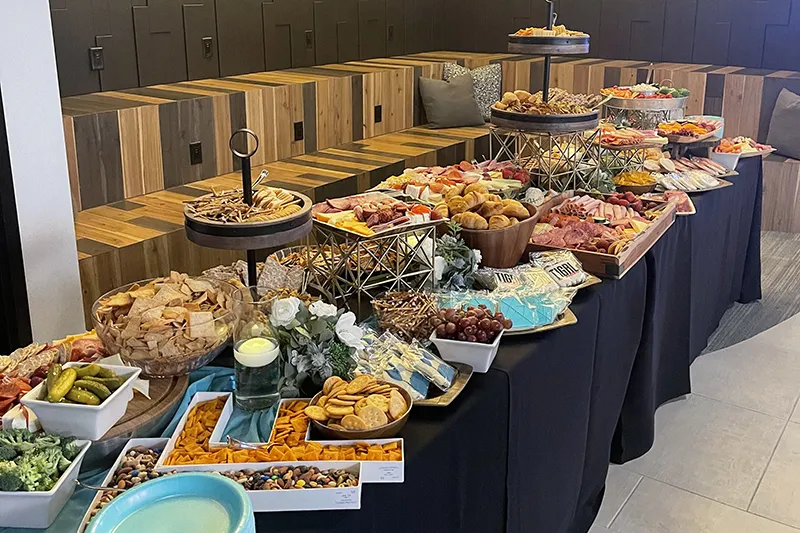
<point>726,458</point>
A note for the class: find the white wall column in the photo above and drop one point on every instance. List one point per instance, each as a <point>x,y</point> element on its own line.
<point>32,109</point>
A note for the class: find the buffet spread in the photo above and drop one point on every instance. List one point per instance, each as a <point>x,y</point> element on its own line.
<point>450,258</point>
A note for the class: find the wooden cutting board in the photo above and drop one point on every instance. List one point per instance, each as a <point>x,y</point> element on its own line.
<point>143,412</point>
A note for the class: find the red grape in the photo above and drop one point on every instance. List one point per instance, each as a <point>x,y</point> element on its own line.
<point>450,328</point>
<point>480,335</point>
<point>472,338</point>
<point>470,330</point>
<point>496,326</point>
<point>461,336</point>
<point>485,324</point>
<point>441,330</point>
<point>507,324</point>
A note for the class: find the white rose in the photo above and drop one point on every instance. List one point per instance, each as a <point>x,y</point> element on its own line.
<point>348,332</point>
<point>478,256</point>
<point>439,265</point>
<point>284,311</point>
<point>321,309</point>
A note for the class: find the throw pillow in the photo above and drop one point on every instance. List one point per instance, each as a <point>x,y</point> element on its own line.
<point>449,104</point>
<point>487,82</point>
<point>784,133</point>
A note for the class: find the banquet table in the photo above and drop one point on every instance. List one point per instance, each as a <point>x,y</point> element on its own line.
<point>526,446</point>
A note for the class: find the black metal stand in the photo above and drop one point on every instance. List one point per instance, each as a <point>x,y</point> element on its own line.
<point>547,57</point>
<point>247,189</point>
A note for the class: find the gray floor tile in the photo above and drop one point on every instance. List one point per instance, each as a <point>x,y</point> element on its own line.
<point>778,496</point>
<point>619,486</point>
<point>599,529</point>
<point>796,415</point>
<point>655,507</point>
<point>711,448</point>
<point>753,374</point>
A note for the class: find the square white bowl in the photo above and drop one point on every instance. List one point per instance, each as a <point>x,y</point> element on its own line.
<point>476,354</point>
<point>83,421</point>
<point>728,161</point>
<point>40,509</point>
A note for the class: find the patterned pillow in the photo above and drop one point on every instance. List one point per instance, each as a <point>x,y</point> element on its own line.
<point>486,83</point>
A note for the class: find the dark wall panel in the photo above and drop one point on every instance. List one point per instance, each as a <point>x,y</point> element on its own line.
<point>679,20</point>
<point>372,28</point>
<point>160,45</point>
<point>631,29</point>
<point>288,33</point>
<point>395,27</point>
<point>335,31</point>
<point>73,34</point>
<point>241,37</point>
<point>200,34</point>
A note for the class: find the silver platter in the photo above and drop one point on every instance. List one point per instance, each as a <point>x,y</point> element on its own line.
<point>648,104</point>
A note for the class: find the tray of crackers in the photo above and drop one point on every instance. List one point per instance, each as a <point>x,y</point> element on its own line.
<point>363,408</point>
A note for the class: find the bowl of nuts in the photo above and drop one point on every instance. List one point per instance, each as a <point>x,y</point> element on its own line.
<point>166,326</point>
<point>363,408</point>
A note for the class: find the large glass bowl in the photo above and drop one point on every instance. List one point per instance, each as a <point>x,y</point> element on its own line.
<point>157,364</point>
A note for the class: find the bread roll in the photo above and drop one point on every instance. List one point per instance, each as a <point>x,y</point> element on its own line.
<point>457,205</point>
<point>470,220</point>
<point>499,222</point>
<point>490,209</point>
<point>455,190</point>
<point>522,95</point>
<point>513,221</point>
<point>512,208</point>
<point>442,209</point>
<point>510,99</point>
<point>475,199</point>
<point>476,187</point>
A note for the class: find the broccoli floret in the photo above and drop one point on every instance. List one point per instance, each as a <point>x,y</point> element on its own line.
<point>10,478</point>
<point>63,464</point>
<point>43,441</point>
<point>39,470</point>
<point>69,449</point>
<point>7,453</point>
<point>19,439</point>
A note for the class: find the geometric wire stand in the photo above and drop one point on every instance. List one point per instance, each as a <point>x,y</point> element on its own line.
<point>616,160</point>
<point>557,161</point>
<point>640,119</point>
<point>363,268</point>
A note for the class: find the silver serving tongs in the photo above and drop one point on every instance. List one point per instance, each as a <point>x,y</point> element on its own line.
<point>105,489</point>
<point>261,177</point>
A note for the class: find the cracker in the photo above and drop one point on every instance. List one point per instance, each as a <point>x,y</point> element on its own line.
<point>337,427</point>
<point>329,383</point>
<point>373,416</point>
<point>350,397</point>
<point>316,413</point>
<point>397,405</point>
<point>336,411</point>
<point>360,404</point>
<point>339,401</point>
<point>378,401</point>
<point>354,423</point>
<point>359,383</point>
<point>322,401</point>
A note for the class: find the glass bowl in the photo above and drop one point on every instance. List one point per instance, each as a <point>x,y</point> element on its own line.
<point>180,357</point>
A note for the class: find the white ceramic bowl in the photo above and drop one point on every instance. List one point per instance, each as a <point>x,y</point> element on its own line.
<point>728,161</point>
<point>476,354</point>
<point>40,509</point>
<point>83,421</point>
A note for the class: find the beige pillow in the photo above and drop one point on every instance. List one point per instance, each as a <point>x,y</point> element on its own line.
<point>784,126</point>
<point>450,104</point>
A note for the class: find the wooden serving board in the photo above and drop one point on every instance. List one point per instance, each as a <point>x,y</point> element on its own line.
<point>607,265</point>
<point>682,139</point>
<point>722,184</point>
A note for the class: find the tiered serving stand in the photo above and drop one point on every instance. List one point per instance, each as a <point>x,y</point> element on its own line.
<point>556,149</point>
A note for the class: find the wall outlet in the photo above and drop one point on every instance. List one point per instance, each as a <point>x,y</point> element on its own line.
<point>390,33</point>
<point>208,47</point>
<point>196,153</point>
<point>378,114</point>
<point>96,60</point>
<point>298,131</point>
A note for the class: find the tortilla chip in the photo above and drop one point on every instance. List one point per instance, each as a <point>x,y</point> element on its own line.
<point>201,324</point>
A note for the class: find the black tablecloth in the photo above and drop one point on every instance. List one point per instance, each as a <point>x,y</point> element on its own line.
<point>526,447</point>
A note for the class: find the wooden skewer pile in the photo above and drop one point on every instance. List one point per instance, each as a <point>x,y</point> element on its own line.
<point>229,207</point>
<point>406,314</point>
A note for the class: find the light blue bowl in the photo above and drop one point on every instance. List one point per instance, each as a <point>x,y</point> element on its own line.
<point>179,503</point>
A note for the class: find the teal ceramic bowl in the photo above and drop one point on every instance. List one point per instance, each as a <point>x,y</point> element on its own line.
<point>180,503</point>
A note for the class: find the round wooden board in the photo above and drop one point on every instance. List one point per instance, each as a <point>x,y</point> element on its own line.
<point>545,123</point>
<point>165,393</point>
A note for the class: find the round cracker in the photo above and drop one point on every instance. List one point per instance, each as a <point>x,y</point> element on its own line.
<point>360,404</point>
<point>374,417</point>
<point>337,427</point>
<point>359,383</point>
<point>329,383</point>
<point>339,401</point>
<point>397,405</point>
<point>322,401</point>
<point>316,413</point>
<point>354,423</point>
<point>336,411</point>
<point>381,402</point>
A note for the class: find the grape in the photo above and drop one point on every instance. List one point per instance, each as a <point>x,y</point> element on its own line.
<point>499,316</point>
<point>463,323</point>
<point>485,324</point>
<point>450,328</point>
<point>472,338</point>
<point>507,324</point>
<point>442,314</point>
<point>480,335</point>
<point>479,314</point>
<point>435,321</point>
<point>449,314</point>
<point>482,306</point>
<point>496,326</point>
<point>441,330</point>
<point>470,330</point>
<point>471,312</point>
<point>461,336</point>
<point>471,308</point>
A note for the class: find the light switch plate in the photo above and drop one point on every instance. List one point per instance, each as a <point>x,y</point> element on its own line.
<point>96,59</point>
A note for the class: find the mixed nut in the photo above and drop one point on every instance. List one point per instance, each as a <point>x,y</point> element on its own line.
<point>299,477</point>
